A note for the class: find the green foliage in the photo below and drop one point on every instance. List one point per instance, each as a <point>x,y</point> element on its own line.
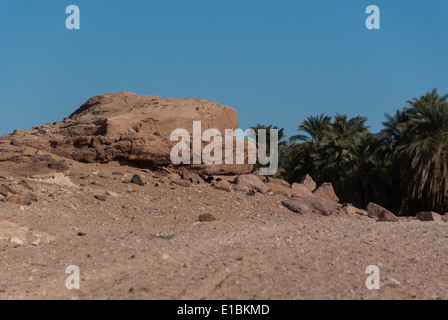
<point>403,168</point>
<point>282,142</point>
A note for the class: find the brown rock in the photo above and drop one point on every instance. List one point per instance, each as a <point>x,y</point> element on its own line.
<point>304,205</point>
<point>4,191</point>
<point>309,183</point>
<point>174,177</point>
<point>348,208</point>
<point>182,183</point>
<point>299,190</point>
<point>59,166</point>
<point>326,191</point>
<point>28,201</point>
<point>101,197</point>
<point>280,189</point>
<point>377,212</point>
<point>222,185</point>
<point>130,128</point>
<point>240,188</point>
<point>277,181</point>
<point>264,179</point>
<point>136,179</point>
<point>16,199</point>
<point>193,177</point>
<point>207,217</point>
<point>429,216</point>
<point>252,182</point>
<point>229,179</point>
<point>12,190</point>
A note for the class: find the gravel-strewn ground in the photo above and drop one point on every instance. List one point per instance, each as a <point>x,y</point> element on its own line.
<point>147,243</point>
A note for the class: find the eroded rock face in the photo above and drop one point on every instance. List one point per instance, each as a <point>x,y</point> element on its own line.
<point>130,128</point>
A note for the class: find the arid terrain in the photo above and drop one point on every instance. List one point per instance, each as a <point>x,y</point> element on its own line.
<point>139,233</point>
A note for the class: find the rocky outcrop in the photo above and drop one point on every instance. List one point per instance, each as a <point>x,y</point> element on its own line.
<point>131,128</point>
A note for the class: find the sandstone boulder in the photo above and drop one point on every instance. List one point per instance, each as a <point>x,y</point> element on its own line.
<point>251,182</point>
<point>130,128</point>
<point>16,199</point>
<point>277,181</point>
<point>429,216</point>
<point>222,185</point>
<point>300,190</point>
<point>280,189</point>
<point>377,212</point>
<point>193,177</point>
<point>309,183</point>
<point>307,205</point>
<point>348,208</point>
<point>326,192</point>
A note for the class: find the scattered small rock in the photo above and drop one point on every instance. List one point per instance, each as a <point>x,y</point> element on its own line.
<point>112,194</point>
<point>16,240</point>
<point>207,217</point>
<point>165,256</point>
<point>251,193</point>
<point>16,199</point>
<point>393,283</point>
<point>136,179</point>
<point>101,197</point>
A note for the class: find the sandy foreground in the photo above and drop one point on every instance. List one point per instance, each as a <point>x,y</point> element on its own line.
<point>147,243</point>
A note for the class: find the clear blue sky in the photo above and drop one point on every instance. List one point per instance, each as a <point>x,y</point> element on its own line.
<point>274,61</point>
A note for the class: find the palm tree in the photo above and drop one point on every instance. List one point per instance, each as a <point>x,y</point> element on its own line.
<point>315,126</point>
<point>422,150</point>
<point>344,152</point>
<point>282,143</point>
